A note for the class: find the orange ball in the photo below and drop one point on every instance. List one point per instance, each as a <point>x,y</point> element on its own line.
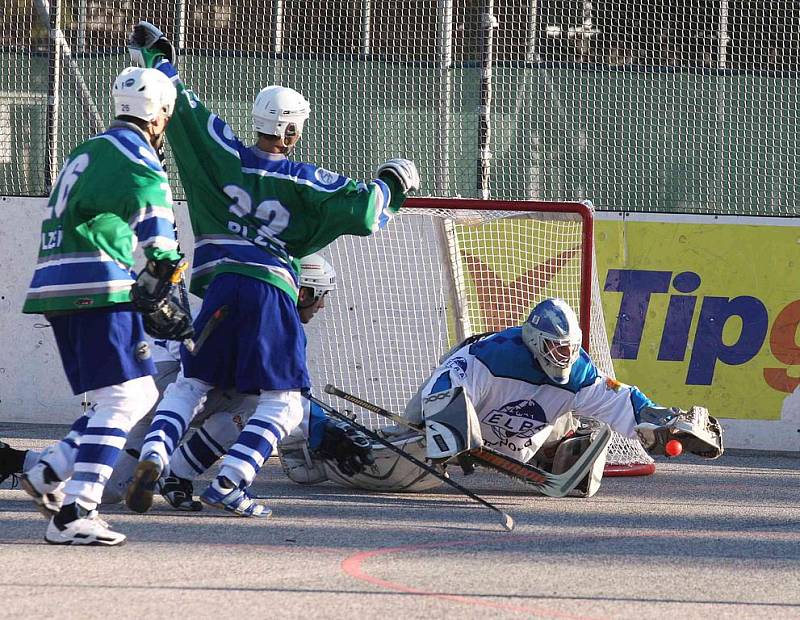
<point>673,447</point>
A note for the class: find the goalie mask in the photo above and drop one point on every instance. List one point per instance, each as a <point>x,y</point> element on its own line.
<point>554,337</point>
<point>143,93</point>
<point>280,111</point>
<point>318,275</point>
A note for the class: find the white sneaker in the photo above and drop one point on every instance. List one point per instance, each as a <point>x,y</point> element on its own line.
<point>88,530</point>
<point>41,483</point>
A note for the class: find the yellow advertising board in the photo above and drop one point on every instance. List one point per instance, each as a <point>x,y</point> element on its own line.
<point>704,310</point>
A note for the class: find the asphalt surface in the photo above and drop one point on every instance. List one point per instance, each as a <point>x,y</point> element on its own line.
<point>696,540</point>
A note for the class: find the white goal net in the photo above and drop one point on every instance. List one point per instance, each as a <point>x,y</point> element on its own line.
<point>445,269</point>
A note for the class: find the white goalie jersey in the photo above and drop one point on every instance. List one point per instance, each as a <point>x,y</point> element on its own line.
<point>517,404</point>
<point>519,409</point>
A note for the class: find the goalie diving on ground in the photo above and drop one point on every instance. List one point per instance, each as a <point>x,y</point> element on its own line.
<point>528,402</point>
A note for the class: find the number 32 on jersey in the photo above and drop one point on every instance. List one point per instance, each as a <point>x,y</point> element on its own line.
<point>270,215</point>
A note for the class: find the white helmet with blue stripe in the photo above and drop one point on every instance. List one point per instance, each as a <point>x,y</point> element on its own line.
<point>553,335</point>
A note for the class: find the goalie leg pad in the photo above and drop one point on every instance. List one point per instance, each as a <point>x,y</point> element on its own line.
<point>568,452</point>
<point>390,473</point>
<point>590,458</point>
<point>298,462</point>
<point>451,424</point>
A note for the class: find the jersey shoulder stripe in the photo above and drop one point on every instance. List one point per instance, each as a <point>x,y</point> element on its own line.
<point>133,147</point>
<point>299,173</point>
<point>282,168</point>
<point>222,134</point>
<point>505,355</point>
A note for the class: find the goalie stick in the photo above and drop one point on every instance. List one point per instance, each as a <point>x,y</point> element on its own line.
<point>506,520</point>
<point>365,404</point>
<point>552,485</point>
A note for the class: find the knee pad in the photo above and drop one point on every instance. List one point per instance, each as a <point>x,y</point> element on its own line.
<point>185,397</point>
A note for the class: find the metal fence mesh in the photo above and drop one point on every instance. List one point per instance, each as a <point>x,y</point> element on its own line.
<point>637,106</point>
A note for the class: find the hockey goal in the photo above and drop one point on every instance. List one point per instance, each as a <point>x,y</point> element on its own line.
<point>445,269</point>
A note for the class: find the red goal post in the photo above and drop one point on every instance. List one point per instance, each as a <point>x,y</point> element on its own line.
<point>447,268</point>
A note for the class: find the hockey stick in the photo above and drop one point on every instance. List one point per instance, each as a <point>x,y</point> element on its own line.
<point>364,404</point>
<point>552,485</point>
<point>506,520</point>
<point>219,315</point>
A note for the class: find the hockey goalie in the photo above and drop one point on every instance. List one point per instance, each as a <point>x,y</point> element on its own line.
<point>522,401</point>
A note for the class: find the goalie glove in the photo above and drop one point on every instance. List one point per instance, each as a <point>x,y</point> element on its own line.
<point>698,432</point>
<point>403,171</point>
<point>163,313</point>
<point>348,447</point>
<point>147,45</point>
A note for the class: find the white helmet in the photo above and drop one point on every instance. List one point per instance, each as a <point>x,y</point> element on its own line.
<point>553,335</point>
<point>280,111</point>
<point>143,93</point>
<point>317,274</point>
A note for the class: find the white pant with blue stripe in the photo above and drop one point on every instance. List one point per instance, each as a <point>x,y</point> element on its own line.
<point>278,413</point>
<point>88,454</point>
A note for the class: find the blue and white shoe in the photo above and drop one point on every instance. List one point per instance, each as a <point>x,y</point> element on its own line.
<point>234,500</point>
<point>143,486</point>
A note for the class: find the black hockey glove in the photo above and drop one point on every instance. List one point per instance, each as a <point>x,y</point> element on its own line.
<point>147,45</point>
<point>153,294</point>
<point>170,321</point>
<point>350,448</point>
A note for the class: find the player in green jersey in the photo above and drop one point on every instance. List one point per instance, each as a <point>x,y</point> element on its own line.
<point>111,195</point>
<point>254,211</point>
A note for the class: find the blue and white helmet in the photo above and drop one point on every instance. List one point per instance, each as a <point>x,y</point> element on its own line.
<point>553,335</point>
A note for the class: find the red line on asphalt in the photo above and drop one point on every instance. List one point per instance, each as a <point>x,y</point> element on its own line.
<point>353,566</point>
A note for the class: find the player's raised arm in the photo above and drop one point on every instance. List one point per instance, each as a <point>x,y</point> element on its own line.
<point>195,133</point>
<point>345,206</point>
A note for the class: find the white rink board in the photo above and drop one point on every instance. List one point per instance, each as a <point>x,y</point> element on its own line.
<point>32,383</point>
<point>33,387</point>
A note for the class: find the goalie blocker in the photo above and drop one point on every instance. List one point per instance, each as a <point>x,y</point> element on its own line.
<point>451,424</point>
